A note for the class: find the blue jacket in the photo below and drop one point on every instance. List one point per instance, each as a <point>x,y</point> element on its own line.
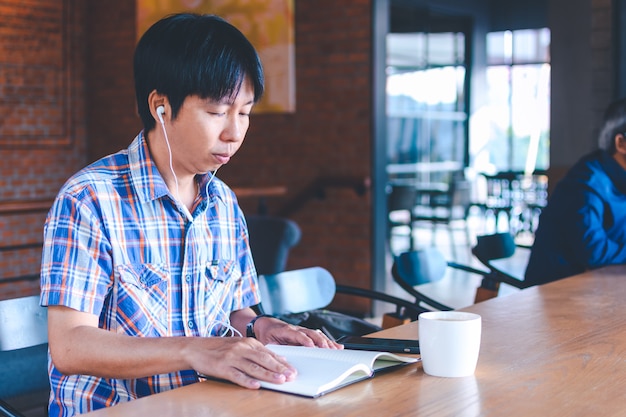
<point>584,224</point>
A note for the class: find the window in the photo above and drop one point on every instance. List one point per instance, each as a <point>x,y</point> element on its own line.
<point>516,129</point>
<point>426,110</point>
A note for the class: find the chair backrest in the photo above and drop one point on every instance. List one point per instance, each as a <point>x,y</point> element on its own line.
<point>418,267</point>
<point>271,239</point>
<point>494,246</point>
<point>301,296</point>
<point>456,200</point>
<point>23,323</point>
<point>402,197</point>
<point>490,249</point>
<point>460,190</point>
<point>296,291</point>
<point>24,383</point>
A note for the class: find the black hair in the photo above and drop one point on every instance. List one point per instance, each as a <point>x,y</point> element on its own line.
<point>613,124</point>
<point>190,54</point>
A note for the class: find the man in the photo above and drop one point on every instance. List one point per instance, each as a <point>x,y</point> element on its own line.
<point>584,225</point>
<point>146,259</point>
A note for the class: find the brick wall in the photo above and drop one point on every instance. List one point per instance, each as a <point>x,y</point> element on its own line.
<point>42,121</point>
<point>112,115</point>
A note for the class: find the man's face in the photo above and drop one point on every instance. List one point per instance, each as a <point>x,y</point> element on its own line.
<point>206,133</point>
<point>620,150</point>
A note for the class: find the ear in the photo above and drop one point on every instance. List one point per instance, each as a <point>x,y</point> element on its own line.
<point>155,100</point>
<point>620,144</point>
<point>620,150</point>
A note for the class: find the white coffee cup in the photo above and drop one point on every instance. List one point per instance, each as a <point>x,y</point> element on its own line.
<point>449,342</point>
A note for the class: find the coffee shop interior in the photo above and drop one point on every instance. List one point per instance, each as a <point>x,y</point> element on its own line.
<point>470,109</point>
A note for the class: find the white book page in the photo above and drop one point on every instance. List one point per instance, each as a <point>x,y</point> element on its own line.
<point>346,355</point>
<point>321,370</point>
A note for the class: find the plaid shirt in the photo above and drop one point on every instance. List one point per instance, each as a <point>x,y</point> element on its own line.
<point>117,245</point>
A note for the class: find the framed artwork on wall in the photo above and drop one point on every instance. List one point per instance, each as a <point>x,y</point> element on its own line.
<point>268,24</point>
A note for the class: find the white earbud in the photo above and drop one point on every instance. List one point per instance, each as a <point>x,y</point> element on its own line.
<point>160,110</point>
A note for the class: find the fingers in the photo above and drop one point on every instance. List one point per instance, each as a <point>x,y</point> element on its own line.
<point>265,366</point>
<point>319,339</point>
<point>286,334</point>
<point>243,361</point>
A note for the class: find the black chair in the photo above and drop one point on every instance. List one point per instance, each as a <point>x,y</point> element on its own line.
<point>445,206</point>
<point>520,197</point>
<point>500,195</point>
<point>301,297</point>
<point>24,384</point>
<point>271,239</point>
<point>414,268</point>
<point>439,204</point>
<point>401,203</point>
<point>489,250</point>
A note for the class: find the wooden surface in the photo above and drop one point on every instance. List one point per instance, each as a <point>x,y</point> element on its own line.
<point>25,206</point>
<point>559,349</point>
<point>243,192</point>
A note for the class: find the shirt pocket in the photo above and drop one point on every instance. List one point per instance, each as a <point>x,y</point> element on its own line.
<point>222,279</point>
<point>142,299</point>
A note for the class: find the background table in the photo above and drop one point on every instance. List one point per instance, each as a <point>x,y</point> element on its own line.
<point>261,193</point>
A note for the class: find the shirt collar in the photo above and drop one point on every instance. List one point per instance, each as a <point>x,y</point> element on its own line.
<point>147,179</point>
<point>615,172</point>
<point>145,176</point>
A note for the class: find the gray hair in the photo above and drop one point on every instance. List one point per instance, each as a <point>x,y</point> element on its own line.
<point>614,123</point>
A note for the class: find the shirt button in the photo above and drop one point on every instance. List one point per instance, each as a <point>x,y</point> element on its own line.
<point>191,324</point>
<point>187,278</point>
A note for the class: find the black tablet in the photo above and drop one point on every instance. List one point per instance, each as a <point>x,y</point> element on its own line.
<point>380,344</point>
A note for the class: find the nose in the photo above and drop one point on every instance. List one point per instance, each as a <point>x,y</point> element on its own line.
<point>235,128</point>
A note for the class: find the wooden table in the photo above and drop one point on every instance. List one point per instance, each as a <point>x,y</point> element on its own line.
<point>558,349</point>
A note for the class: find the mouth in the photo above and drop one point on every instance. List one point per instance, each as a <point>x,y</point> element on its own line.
<point>222,158</point>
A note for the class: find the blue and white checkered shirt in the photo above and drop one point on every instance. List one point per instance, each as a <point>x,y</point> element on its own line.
<point>117,245</point>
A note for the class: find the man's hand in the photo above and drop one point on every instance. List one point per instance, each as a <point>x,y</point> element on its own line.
<point>274,331</point>
<point>244,361</point>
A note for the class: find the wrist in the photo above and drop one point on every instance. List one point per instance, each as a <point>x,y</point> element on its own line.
<point>250,326</point>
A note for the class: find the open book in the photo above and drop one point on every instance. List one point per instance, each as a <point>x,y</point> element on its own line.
<point>324,370</point>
